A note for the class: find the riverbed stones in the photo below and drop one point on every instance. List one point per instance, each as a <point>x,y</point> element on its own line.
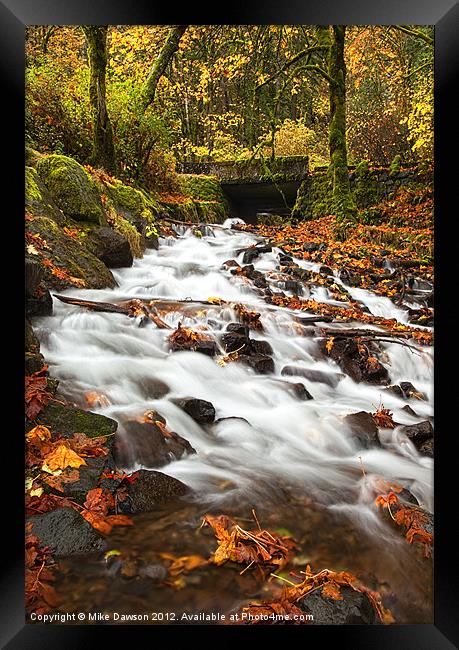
<point>200,410</point>
<point>332,379</point>
<point>153,388</point>
<point>345,352</point>
<point>234,341</point>
<point>148,489</point>
<point>262,364</point>
<point>418,433</point>
<point>65,531</point>
<point>258,346</point>
<point>355,608</point>
<point>363,428</point>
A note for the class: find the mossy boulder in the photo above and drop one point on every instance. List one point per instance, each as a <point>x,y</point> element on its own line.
<point>38,200</point>
<point>201,187</point>
<point>67,420</point>
<point>68,254</point>
<point>132,204</point>
<point>72,188</point>
<point>110,246</point>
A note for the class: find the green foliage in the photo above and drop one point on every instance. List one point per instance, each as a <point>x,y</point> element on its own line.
<point>127,229</point>
<point>57,116</point>
<point>395,165</point>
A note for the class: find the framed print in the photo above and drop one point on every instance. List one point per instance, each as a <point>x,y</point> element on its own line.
<point>229,292</point>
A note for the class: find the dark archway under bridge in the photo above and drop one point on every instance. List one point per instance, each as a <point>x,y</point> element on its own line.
<point>246,200</point>
<point>256,186</point>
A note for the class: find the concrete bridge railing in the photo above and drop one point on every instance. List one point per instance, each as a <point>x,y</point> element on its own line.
<point>284,169</point>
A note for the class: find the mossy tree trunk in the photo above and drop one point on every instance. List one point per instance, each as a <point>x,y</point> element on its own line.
<point>159,67</point>
<point>103,154</point>
<point>343,201</point>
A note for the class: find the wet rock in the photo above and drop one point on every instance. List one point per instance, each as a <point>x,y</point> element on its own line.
<point>354,608</point>
<point>200,410</point>
<point>150,489</point>
<point>141,442</point>
<point>152,241</point>
<point>40,304</point>
<point>363,428</point>
<point>407,408</point>
<point>299,391</point>
<point>111,247</point>
<point>427,448</point>
<point>238,328</point>
<point>293,286</point>
<point>418,433</point>
<point>325,270</point>
<point>250,255</point>
<point>346,354</point>
<point>209,348</point>
<point>260,347</point>
<point>231,264</point>
<point>262,364</point>
<point>67,420</point>
<point>89,478</point>
<point>153,388</point>
<point>33,363</point>
<point>302,274</point>
<point>33,276</point>
<point>67,532</point>
<point>311,247</point>
<point>410,391</point>
<point>285,260</point>
<point>330,378</point>
<point>233,341</point>
<point>394,390</point>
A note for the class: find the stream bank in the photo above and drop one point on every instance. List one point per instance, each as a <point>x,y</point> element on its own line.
<point>276,440</point>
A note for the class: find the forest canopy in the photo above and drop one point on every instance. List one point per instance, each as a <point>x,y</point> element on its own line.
<point>222,92</point>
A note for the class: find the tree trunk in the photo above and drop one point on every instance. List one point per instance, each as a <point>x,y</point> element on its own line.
<point>103,153</point>
<point>169,49</point>
<point>343,201</point>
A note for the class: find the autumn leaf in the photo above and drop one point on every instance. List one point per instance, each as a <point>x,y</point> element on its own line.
<point>184,564</point>
<point>38,434</point>
<point>331,590</point>
<point>329,344</point>
<point>62,457</point>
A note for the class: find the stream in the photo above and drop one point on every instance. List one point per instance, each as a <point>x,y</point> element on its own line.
<point>294,461</point>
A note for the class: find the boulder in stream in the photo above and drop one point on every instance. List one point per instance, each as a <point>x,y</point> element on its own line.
<point>150,489</point>
<point>200,410</point>
<point>355,608</point>
<point>345,352</point>
<point>363,428</point>
<point>111,247</point>
<point>261,363</point>
<point>65,531</point>
<point>418,433</point>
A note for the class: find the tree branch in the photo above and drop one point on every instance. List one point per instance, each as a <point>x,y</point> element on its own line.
<point>288,64</point>
<point>414,32</point>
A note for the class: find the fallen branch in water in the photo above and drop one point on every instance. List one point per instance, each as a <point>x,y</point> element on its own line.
<point>130,308</point>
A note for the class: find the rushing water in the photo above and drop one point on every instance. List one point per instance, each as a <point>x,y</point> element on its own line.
<point>273,443</point>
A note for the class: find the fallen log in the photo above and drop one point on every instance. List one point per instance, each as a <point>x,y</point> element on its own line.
<point>93,305</point>
<point>345,333</point>
<point>129,308</point>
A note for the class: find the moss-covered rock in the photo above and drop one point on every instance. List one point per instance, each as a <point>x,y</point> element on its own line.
<point>202,187</point>
<point>38,200</point>
<point>133,204</point>
<point>364,185</point>
<point>72,188</point>
<point>66,420</point>
<point>68,254</point>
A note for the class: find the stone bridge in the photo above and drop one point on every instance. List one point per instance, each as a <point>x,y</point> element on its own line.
<point>256,187</point>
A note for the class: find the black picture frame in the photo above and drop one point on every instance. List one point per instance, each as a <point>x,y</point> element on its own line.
<point>444,14</point>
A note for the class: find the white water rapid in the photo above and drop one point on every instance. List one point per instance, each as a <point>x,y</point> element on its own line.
<point>284,441</point>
